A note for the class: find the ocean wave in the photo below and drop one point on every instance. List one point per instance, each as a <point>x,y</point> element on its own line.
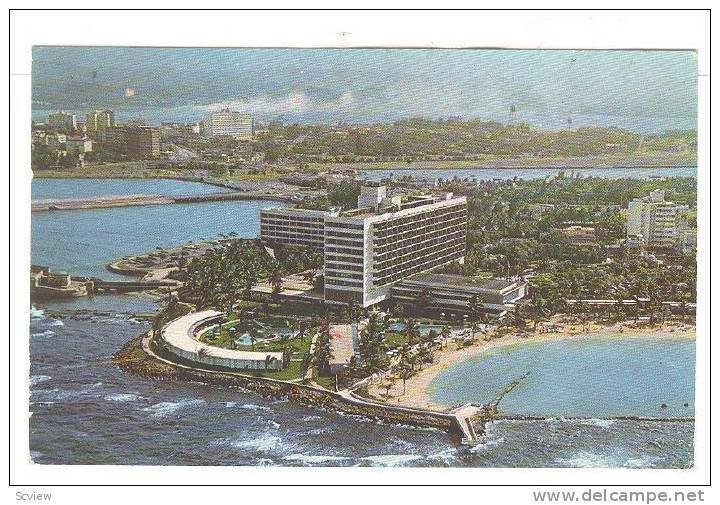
<point>163,409</point>
<point>600,423</point>
<point>392,459</point>
<point>262,443</point>
<point>488,443</point>
<point>46,333</point>
<point>37,379</point>
<point>312,459</point>
<point>123,397</point>
<point>641,462</point>
<point>447,456</point>
<point>55,322</point>
<point>585,459</point>
<point>318,431</point>
<point>274,424</point>
<point>250,406</point>
<point>36,313</point>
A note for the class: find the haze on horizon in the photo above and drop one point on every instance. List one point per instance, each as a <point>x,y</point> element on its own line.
<point>645,91</point>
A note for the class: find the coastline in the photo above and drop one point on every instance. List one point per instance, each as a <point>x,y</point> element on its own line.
<point>418,392</point>
<point>157,170</point>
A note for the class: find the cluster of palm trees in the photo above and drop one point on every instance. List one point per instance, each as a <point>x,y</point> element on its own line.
<point>217,278</point>
<point>229,271</point>
<point>506,238</point>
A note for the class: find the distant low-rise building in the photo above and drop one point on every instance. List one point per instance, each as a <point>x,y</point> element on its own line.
<point>55,141</point>
<point>538,209</point>
<point>688,240</point>
<point>142,142</point>
<point>455,293</point>
<point>580,235</point>
<point>227,122</point>
<point>62,121</point>
<point>78,146</point>
<point>136,142</point>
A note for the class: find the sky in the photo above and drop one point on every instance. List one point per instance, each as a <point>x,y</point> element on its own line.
<point>648,91</point>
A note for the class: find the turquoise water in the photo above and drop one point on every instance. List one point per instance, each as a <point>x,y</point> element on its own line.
<point>80,188</point>
<point>596,377</point>
<point>81,242</point>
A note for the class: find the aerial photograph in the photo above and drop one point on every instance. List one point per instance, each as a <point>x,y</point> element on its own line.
<point>376,257</point>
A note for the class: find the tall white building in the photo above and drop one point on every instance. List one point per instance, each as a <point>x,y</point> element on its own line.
<point>369,249</point>
<point>227,122</point>
<point>97,121</point>
<point>656,222</point>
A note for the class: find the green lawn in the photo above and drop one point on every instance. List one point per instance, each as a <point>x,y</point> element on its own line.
<point>326,382</point>
<point>294,370</point>
<point>393,339</point>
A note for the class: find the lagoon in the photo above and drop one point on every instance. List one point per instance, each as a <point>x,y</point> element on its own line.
<point>584,377</point>
<point>82,242</point>
<point>526,173</point>
<point>43,189</point>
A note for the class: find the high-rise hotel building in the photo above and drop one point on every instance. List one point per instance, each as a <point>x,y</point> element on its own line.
<point>385,240</point>
<point>287,226</point>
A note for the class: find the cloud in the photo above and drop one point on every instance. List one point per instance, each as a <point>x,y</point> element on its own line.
<point>291,104</point>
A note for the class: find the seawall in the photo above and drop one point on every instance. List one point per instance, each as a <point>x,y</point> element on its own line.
<point>137,358</point>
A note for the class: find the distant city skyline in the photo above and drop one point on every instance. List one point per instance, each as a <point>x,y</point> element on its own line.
<point>646,91</point>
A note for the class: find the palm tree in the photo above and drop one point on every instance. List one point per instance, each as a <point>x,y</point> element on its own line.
<point>445,333</point>
<point>276,282</point>
<point>411,330</point>
<point>254,333</point>
<point>475,306</point>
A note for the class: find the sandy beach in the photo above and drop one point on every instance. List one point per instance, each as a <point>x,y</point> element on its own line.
<point>418,387</point>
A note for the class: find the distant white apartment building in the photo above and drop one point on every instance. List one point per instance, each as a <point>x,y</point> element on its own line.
<point>368,249</point>
<point>655,222</point>
<point>227,122</point>
<point>62,121</point>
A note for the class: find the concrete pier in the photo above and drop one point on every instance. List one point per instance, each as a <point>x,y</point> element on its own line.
<point>102,202</point>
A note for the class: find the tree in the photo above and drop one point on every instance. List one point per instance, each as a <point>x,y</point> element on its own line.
<point>323,350</point>
<point>276,282</point>
<point>254,333</point>
<point>475,306</point>
<point>411,330</point>
<point>372,345</point>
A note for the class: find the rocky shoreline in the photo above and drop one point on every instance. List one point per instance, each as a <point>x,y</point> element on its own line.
<point>133,358</point>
